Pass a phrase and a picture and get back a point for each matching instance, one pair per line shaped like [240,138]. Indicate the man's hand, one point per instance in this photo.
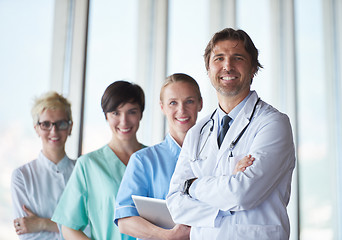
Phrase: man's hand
[243,164]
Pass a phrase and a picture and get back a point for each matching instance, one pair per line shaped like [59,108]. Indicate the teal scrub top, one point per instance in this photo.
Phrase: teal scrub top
[90,195]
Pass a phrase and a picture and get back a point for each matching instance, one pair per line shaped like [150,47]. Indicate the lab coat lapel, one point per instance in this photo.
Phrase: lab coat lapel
[210,151]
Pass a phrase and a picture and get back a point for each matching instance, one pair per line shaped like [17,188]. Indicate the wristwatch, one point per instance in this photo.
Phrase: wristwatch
[187,185]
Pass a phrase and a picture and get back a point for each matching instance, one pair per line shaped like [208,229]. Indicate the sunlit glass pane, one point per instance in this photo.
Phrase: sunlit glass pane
[316,166]
[112,56]
[26,29]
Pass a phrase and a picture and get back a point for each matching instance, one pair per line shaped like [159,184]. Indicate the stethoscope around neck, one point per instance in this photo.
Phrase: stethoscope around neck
[212,121]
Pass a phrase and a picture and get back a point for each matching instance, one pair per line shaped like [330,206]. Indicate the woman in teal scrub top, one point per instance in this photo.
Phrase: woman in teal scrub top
[90,194]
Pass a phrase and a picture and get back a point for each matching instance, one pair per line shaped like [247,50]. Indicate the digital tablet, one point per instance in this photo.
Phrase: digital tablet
[154,210]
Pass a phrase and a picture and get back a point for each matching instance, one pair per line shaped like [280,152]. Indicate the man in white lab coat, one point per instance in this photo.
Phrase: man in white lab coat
[204,193]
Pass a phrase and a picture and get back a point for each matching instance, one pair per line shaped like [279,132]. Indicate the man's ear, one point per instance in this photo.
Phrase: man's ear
[201,106]
[254,71]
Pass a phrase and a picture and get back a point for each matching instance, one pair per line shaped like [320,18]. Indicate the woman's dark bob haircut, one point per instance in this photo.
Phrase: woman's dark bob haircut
[121,92]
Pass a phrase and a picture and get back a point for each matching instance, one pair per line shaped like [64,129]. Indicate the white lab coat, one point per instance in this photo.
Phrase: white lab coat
[250,204]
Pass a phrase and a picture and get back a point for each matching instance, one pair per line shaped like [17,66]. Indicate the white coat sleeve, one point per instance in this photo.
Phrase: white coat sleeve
[272,146]
[19,194]
[19,198]
[184,209]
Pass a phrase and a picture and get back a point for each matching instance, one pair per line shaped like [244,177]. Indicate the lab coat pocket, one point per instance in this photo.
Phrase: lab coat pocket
[260,232]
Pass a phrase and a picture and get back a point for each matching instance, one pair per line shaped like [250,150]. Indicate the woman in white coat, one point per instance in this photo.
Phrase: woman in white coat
[37,186]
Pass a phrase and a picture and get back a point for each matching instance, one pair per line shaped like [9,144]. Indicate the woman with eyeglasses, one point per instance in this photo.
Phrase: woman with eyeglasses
[90,195]
[37,186]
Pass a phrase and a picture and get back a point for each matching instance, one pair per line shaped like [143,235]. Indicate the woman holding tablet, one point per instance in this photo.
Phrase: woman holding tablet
[150,170]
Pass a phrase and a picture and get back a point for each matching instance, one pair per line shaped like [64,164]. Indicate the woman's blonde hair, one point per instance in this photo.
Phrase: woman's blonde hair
[180,77]
[50,100]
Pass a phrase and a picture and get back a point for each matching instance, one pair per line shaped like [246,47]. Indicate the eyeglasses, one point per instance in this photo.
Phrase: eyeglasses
[59,125]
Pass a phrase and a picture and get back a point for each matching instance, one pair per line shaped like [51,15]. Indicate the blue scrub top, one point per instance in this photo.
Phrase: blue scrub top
[148,174]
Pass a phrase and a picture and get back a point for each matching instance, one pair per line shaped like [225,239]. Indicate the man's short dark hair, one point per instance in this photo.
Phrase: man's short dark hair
[232,34]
